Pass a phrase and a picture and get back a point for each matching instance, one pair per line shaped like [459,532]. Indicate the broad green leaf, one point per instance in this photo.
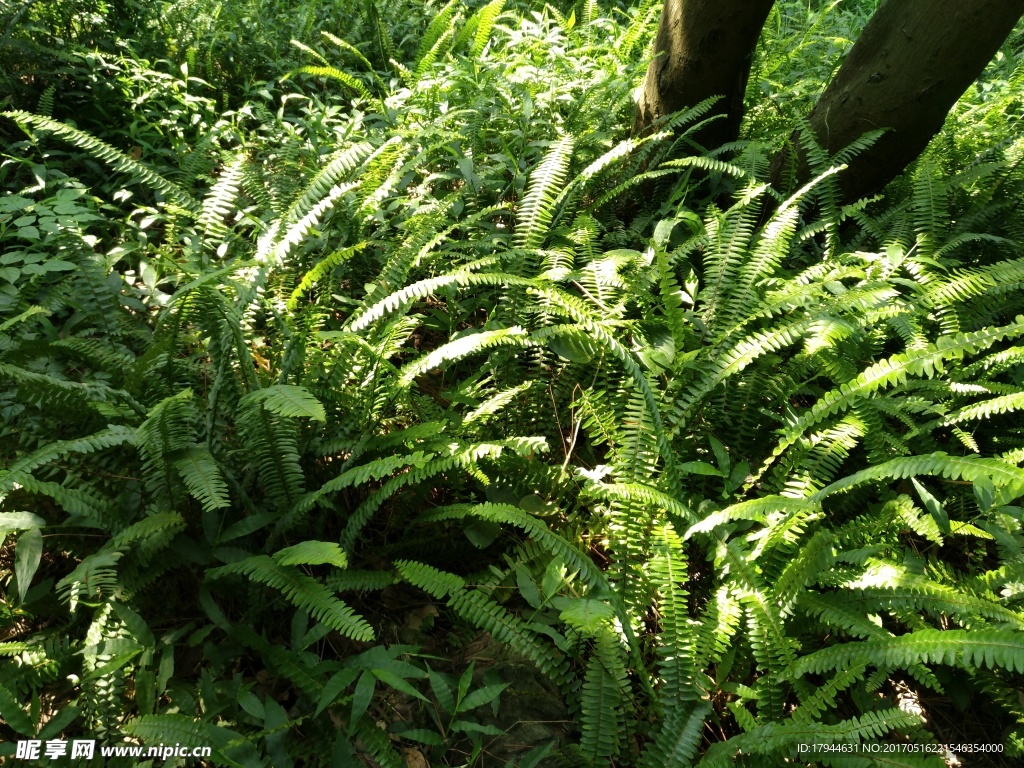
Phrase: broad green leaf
[13,714]
[721,454]
[985,493]
[532,758]
[251,703]
[699,468]
[465,680]
[135,624]
[553,578]
[585,614]
[536,505]
[28,553]
[442,691]
[528,587]
[19,521]
[247,525]
[466,726]
[569,348]
[59,722]
[423,736]
[398,683]
[114,664]
[933,505]
[481,533]
[481,696]
[365,687]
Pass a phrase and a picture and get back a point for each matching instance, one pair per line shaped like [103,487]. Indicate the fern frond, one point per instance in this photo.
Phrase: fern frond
[274,247]
[94,577]
[439,29]
[323,268]
[477,608]
[651,497]
[954,647]
[463,347]
[203,478]
[303,591]
[116,159]
[754,509]
[676,742]
[774,737]
[333,73]
[218,203]
[896,370]
[969,468]
[347,46]
[602,701]
[461,457]
[549,540]
[677,666]
[107,438]
[485,19]
[229,746]
[161,526]
[288,400]
[815,557]
[360,581]
[986,409]
[538,206]
[312,553]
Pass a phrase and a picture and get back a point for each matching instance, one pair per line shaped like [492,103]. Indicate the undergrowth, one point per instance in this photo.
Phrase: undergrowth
[337,394]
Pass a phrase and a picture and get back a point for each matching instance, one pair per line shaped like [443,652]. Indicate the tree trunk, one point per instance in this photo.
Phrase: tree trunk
[909,66]
[703,48]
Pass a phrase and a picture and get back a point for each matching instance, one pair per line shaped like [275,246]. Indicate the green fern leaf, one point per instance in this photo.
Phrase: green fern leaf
[955,647]
[601,700]
[230,746]
[312,553]
[333,73]
[203,478]
[288,400]
[678,737]
[538,206]
[118,160]
[485,19]
[303,591]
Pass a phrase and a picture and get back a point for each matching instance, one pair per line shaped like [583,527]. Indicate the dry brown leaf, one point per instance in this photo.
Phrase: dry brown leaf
[415,759]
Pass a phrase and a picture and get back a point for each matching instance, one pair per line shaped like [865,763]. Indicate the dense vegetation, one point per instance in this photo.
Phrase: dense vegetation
[369,396]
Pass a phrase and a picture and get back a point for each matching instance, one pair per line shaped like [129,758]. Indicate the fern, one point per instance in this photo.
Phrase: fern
[602,700]
[476,608]
[286,400]
[335,74]
[970,468]
[203,478]
[772,737]
[18,471]
[537,209]
[954,647]
[302,591]
[103,151]
[730,468]
[230,746]
[218,203]
[439,29]
[485,19]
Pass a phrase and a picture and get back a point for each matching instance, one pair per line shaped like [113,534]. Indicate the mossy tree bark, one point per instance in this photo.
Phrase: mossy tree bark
[703,48]
[907,69]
